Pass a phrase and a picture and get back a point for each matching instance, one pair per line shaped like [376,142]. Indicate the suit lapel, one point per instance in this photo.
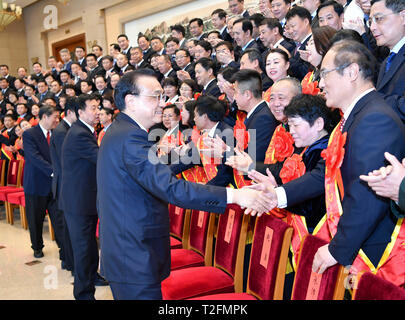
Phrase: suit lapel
[42,143]
[383,76]
[362,103]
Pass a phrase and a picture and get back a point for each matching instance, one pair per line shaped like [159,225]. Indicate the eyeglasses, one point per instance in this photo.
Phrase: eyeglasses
[159,96]
[325,72]
[378,19]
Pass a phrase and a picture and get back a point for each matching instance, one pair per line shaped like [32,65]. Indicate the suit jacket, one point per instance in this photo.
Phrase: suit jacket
[190,70]
[147,54]
[135,245]
[298,67]
[212,89]
[366,222]
[38,165]
[261,124]
[45,95]
[91,74]
[392,83]
[79,158]
[226,36]
[57,138]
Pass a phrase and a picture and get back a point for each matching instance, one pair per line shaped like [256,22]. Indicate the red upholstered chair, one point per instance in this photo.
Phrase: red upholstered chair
[13,202]
[200,242]
[268,262]
[372,287]
[309,285]
[179,227]
[227,273]
[14,184]
[2,172]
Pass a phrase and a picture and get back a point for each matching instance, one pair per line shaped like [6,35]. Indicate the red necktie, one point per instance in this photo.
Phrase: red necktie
[48,137]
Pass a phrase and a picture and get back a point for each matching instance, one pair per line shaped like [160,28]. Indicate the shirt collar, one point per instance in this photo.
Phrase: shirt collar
[253,110]
[278,42]
[211,133]
[350,109]
[67,121]
[44,131]
[223,29]
[87,125]
[167,73]
[244,48]
[206,86]
[168,133]
[399,45]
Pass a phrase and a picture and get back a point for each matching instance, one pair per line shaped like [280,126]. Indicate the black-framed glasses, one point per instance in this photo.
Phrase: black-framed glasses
[324,72]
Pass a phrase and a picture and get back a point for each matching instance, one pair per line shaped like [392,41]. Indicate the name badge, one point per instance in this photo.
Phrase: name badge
[268,238]
[229,226]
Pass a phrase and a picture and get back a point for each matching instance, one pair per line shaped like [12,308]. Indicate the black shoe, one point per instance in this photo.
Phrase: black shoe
[100,281]
[38,253]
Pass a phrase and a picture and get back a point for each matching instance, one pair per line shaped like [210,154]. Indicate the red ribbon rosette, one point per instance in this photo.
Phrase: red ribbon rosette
[283,145]
[197,95]
[195,135]
[241,135]
[293,168]
[310,88]
[334,154]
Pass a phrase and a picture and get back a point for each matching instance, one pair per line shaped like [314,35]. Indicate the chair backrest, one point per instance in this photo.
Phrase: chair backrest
[201,236]
[2,172]
[309,285]
[20,177]
[230,243]
[371,287]
[13,172]
[268,258]
[179,223]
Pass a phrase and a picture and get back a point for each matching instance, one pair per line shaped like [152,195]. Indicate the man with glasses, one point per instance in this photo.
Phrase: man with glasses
[183,60]
[387,25]
[134,190]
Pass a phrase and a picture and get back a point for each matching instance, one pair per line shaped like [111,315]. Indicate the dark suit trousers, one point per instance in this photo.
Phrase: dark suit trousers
[129,291]
[67,251]
[36,207]
[82,231]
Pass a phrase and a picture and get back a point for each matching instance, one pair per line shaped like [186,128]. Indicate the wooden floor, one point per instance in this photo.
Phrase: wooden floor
[40,279]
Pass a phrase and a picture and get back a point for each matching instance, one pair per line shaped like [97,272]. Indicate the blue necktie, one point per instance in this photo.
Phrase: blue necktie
[389,60]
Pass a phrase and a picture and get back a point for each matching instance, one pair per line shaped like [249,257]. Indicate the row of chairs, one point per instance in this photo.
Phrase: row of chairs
[198,273]
[12,192]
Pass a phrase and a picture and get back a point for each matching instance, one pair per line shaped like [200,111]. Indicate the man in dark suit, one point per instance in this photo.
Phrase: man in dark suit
[243,35]
[93,68]
[79,192]
[4,72]
[137,59]
[260,122]
[144,44]
[218,19]
[57,138]
[43,92]
[365,222]
[196,28]
[208,116]
[128,177]
[271,34]
[299,21]
[165,67]
[237,7]
[38,178]
[124,44]
[390,33]
[252,59]
[183,60]
[80,55]
[205,77]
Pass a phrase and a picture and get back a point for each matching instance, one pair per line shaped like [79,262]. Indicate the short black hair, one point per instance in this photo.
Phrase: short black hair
[246,25]
[250,80]
[205,44]
[272,23]
[220,12]
[311,107]
[179,28]
[346,34]
[190,107]
[115,46]
[227,73]
[128,84]
[210,106]
[207,64]
[199,21]
[71,104]
[122,35]
[174,107]
[394,5]
[257,18]
[170,81]
[226,44]
[92,55]
[82,99]
[337,7]
[46,110]
[299,11]
[172,39]
[254,54]
[349,51]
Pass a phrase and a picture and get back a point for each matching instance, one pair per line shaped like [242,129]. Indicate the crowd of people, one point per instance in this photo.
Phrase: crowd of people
[299,107]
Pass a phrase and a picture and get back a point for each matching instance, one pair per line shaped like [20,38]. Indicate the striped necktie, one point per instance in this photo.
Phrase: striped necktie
[389,61]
